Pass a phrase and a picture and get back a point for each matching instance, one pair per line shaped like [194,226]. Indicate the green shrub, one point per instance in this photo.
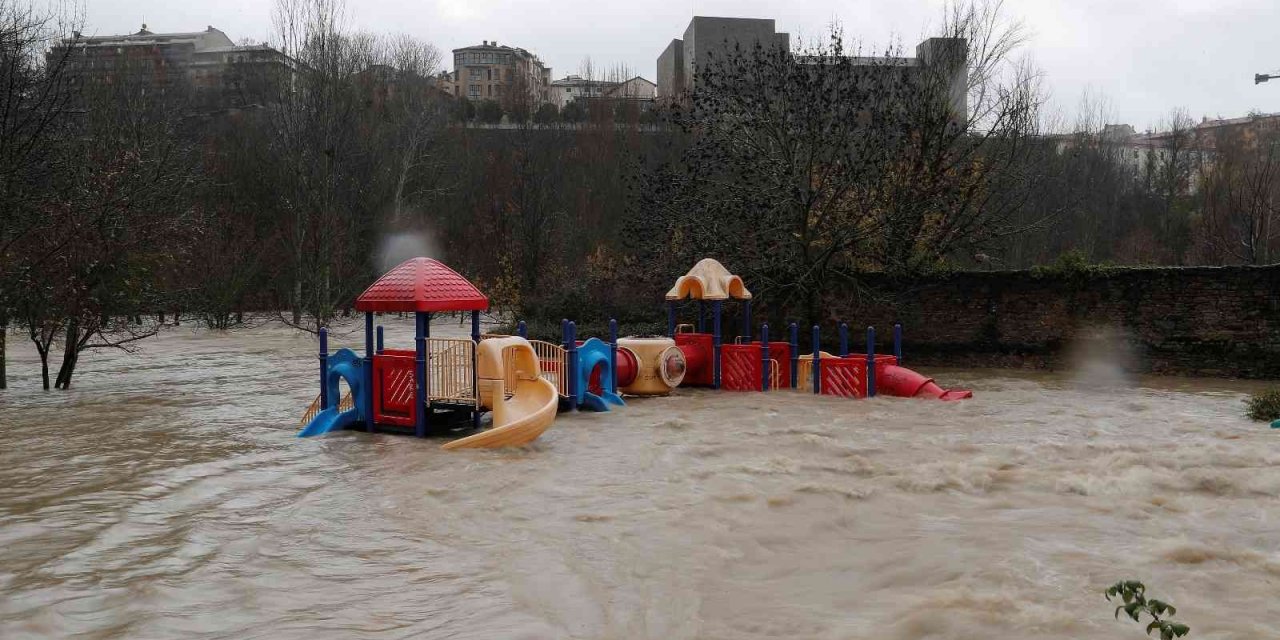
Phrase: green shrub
[1071,263]
[1133,595]
[1265,405]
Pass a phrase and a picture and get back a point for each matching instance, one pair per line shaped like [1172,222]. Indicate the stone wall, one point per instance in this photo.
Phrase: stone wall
[1218,321]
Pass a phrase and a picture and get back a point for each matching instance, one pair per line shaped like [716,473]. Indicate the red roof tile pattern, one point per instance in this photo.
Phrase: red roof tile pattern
[422,284]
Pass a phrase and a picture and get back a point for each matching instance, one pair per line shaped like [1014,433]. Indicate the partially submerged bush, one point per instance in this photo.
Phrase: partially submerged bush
[1133,596]
[1265,405]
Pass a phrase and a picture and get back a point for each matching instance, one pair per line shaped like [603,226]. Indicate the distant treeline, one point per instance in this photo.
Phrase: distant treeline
[127,199]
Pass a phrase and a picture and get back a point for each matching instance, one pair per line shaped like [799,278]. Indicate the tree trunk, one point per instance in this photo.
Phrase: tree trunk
[70,354]
[161,317]
[297,303]
[4,335]
[44,364]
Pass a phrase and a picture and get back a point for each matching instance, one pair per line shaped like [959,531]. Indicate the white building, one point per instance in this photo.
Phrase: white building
[570,88]
[636,88]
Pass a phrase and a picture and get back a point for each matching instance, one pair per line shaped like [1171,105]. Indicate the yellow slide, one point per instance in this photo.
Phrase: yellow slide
[510,363]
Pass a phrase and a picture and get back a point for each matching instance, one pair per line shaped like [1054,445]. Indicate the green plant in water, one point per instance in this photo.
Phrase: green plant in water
[1134,596]
[1265,405]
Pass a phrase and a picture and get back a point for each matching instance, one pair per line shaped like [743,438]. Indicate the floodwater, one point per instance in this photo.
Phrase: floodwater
[166,496]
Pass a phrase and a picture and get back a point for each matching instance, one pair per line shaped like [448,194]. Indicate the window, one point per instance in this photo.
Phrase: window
[475,73]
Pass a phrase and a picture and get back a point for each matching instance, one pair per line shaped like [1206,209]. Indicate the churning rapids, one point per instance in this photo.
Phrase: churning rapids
[166,496]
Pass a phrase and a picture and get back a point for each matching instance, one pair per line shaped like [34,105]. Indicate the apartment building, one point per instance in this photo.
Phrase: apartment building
[221,73]
[489,71]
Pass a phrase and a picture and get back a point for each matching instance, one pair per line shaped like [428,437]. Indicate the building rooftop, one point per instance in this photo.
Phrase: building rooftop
[201,40]
[493,46]
[576,80]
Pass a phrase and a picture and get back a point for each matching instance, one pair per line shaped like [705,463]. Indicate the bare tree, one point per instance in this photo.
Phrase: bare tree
[1240,191]
[831,161]
[314,138]
[32,107]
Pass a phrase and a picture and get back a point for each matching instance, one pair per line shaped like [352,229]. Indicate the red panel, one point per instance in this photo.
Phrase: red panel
[781,353]
[882,361]
[740,367]
[394,392]
[697,348]
[422,284]
[845,377]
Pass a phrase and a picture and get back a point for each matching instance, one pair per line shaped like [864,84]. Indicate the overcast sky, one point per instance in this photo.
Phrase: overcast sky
[1145,57]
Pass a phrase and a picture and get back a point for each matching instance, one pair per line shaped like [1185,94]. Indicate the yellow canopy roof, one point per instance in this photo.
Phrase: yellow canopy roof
[708,280]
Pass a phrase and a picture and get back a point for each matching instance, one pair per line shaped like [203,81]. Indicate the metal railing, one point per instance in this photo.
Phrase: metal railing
[774,373]
[451,376]
[346,404]
[552,359]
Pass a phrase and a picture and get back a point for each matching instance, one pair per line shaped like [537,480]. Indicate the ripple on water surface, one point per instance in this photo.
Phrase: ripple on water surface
[166,496]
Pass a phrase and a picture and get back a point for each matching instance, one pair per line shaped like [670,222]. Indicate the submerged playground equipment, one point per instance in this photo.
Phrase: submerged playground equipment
[445,384]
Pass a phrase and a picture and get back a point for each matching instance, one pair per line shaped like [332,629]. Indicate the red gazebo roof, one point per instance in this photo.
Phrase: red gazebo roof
[422,284]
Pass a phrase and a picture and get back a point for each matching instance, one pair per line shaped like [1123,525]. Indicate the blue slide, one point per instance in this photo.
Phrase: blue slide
[330,420]
[595,353]
[343,365]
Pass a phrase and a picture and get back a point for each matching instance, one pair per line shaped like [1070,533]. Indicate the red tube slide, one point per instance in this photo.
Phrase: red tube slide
[625,372]
[627,367]
[896,381]
[697,363]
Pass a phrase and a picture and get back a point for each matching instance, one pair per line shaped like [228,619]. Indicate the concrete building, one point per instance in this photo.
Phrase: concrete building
[708,38]
[704,38]
[489,71]
[221,73]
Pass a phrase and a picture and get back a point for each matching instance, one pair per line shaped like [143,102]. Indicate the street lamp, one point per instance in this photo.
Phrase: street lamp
[1259,78]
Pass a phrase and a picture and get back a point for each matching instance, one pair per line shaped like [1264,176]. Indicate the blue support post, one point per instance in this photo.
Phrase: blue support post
[702,316]
[366,411]
[475,364]
[378,348]
[421,329]
[817,362]
[716,308]
[746,321]
[671,318]
[844,339]
[871,362]
[613,354]
[897,342]
[324,368]
[571,362]
[764,356]
[795,356]
[522,330]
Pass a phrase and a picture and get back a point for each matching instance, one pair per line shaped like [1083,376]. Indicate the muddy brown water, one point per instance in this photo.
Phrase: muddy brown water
[167,497]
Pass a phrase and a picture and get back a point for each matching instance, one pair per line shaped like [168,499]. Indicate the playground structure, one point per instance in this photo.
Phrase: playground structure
[446,383]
